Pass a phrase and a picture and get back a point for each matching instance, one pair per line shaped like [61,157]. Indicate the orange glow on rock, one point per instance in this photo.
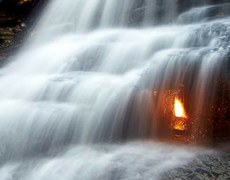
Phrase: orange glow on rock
[180,125]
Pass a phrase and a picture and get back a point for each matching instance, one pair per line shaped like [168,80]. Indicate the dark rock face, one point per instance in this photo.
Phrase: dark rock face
[15,21]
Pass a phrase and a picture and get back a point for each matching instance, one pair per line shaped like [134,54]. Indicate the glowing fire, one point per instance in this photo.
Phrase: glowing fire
[179,110]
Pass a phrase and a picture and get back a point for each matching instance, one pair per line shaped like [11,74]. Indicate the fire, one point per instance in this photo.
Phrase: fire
[179,110]
[180,123]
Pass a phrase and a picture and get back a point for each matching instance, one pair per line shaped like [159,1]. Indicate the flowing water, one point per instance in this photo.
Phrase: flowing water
[78,103]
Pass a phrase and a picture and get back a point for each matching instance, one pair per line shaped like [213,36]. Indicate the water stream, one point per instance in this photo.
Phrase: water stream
[77,102]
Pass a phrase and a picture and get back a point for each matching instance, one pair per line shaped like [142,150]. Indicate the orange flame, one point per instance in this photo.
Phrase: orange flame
[179,110]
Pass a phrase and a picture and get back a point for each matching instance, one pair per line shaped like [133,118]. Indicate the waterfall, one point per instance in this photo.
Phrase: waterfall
[78,102]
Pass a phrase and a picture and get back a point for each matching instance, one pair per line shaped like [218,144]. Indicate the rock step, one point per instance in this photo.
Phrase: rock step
[7,37]
[6,33]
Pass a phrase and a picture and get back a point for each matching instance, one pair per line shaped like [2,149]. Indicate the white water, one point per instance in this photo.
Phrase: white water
[78,89]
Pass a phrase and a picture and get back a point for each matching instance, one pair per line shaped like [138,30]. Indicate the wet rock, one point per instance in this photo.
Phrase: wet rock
[215,166]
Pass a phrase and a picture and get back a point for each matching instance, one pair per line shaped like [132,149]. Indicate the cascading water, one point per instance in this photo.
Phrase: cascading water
[84,84]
